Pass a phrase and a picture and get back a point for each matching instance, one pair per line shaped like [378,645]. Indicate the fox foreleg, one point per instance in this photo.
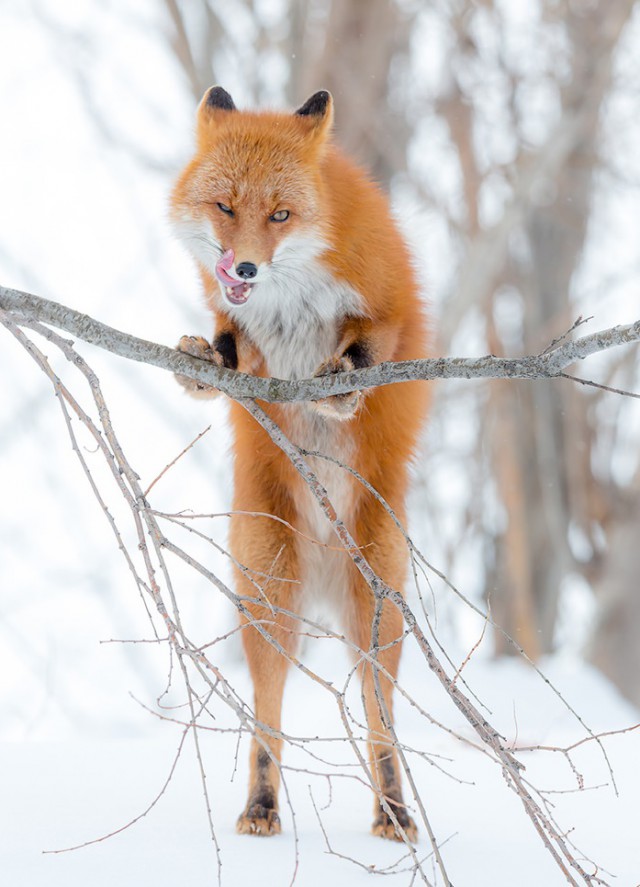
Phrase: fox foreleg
[223,352]
[362,344]
[338,406]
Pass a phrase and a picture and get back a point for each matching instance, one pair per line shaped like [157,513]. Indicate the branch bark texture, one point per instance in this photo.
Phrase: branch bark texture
[25,307]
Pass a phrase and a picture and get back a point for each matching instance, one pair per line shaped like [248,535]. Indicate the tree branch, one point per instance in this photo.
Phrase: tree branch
[153,545]
[25,307]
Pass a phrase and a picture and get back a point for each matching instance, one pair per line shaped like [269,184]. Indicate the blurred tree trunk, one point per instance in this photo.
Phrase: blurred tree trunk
[353,57]
[552,443]
[540,436]
[350,47]
[195,47]
[614,647]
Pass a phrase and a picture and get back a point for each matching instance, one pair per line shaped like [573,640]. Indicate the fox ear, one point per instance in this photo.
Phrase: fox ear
[215,99]
[318,109]
[216,103]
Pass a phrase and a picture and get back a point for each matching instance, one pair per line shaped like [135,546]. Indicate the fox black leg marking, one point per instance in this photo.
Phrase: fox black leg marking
[359,355]
[225,344]
[261,815]
[390,786]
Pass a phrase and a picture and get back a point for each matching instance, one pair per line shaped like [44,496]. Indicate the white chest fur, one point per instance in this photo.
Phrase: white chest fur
[324,568]
[294,320]
[294,317]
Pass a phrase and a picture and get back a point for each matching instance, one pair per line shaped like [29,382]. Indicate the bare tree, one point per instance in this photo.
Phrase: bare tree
[527,208]
[152,574]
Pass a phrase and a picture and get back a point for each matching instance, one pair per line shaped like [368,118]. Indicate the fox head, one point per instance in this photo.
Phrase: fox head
[250,204]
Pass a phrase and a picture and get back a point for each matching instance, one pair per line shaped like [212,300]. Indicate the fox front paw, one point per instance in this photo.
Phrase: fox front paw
[196,346]
[383,826]
[338,406]
[259,820]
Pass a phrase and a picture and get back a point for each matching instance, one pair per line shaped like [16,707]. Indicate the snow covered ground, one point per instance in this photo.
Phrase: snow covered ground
[61,794]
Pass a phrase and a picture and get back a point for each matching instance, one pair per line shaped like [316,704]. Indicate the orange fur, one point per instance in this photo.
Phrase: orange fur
[334,285]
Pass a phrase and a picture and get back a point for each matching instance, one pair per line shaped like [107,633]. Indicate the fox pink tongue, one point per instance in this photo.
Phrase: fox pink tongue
[223,266]
[236,291]
[226,261]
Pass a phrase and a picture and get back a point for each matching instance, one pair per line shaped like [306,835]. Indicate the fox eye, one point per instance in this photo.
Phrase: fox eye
[281,216]
[224,208]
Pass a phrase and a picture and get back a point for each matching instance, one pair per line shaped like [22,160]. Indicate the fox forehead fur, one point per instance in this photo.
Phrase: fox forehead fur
[255,164]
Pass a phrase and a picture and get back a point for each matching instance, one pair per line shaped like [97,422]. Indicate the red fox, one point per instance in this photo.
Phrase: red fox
[306,274]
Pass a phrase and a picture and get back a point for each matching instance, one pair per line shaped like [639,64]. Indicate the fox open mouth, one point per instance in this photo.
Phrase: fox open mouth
[236,291]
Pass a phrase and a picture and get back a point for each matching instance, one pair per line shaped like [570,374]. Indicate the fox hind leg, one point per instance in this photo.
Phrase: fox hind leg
[378,701]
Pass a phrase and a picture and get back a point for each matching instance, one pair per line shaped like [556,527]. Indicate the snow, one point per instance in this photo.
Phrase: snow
[65,793]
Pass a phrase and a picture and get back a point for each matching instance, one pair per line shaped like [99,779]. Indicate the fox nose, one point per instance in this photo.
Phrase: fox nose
[246,270]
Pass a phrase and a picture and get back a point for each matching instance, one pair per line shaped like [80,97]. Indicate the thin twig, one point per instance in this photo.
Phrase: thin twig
[173,461]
